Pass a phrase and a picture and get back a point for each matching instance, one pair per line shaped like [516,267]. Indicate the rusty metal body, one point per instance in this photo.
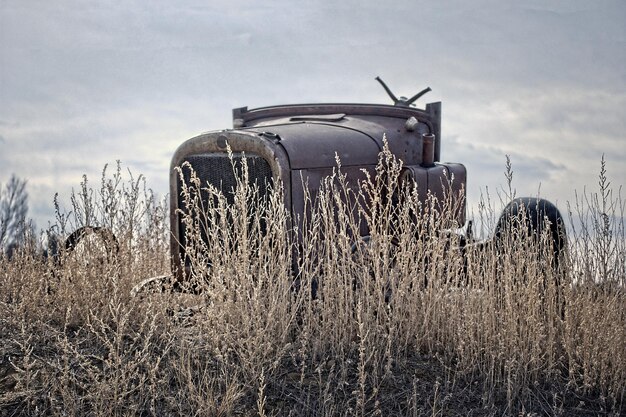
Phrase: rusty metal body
[298,144]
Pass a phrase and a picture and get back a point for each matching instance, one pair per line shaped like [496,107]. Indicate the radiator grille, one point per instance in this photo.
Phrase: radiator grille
[220,171]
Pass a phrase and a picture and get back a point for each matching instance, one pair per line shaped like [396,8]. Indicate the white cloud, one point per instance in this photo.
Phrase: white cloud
[84,84]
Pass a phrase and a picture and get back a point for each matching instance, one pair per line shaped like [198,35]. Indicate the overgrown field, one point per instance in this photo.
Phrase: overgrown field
[400,325]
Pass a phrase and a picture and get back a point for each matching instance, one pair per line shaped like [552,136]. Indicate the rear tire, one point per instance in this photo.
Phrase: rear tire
[534,217]
[540,221]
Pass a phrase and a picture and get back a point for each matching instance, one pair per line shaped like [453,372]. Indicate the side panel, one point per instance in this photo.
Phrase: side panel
[311,180]
[446,182]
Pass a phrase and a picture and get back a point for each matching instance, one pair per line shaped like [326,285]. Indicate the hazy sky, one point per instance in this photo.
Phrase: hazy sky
[84,83]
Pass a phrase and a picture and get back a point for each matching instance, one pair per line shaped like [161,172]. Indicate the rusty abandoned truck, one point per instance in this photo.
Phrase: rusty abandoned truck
[298,146]
[290,143]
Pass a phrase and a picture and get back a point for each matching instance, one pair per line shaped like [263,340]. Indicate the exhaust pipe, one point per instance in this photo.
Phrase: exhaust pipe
[428,150]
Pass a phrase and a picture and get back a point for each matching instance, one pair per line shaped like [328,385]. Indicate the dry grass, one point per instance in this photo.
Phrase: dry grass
[401,326]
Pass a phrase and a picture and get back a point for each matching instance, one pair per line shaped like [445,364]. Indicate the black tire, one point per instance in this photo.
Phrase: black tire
[530,218]
[533,216]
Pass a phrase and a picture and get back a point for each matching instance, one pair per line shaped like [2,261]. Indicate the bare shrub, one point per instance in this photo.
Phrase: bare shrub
[13,210]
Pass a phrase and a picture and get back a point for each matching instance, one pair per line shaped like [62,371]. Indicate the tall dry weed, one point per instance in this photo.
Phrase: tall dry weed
[303,317]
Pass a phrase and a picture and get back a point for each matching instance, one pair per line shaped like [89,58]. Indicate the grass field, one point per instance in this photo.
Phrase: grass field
[404,325]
